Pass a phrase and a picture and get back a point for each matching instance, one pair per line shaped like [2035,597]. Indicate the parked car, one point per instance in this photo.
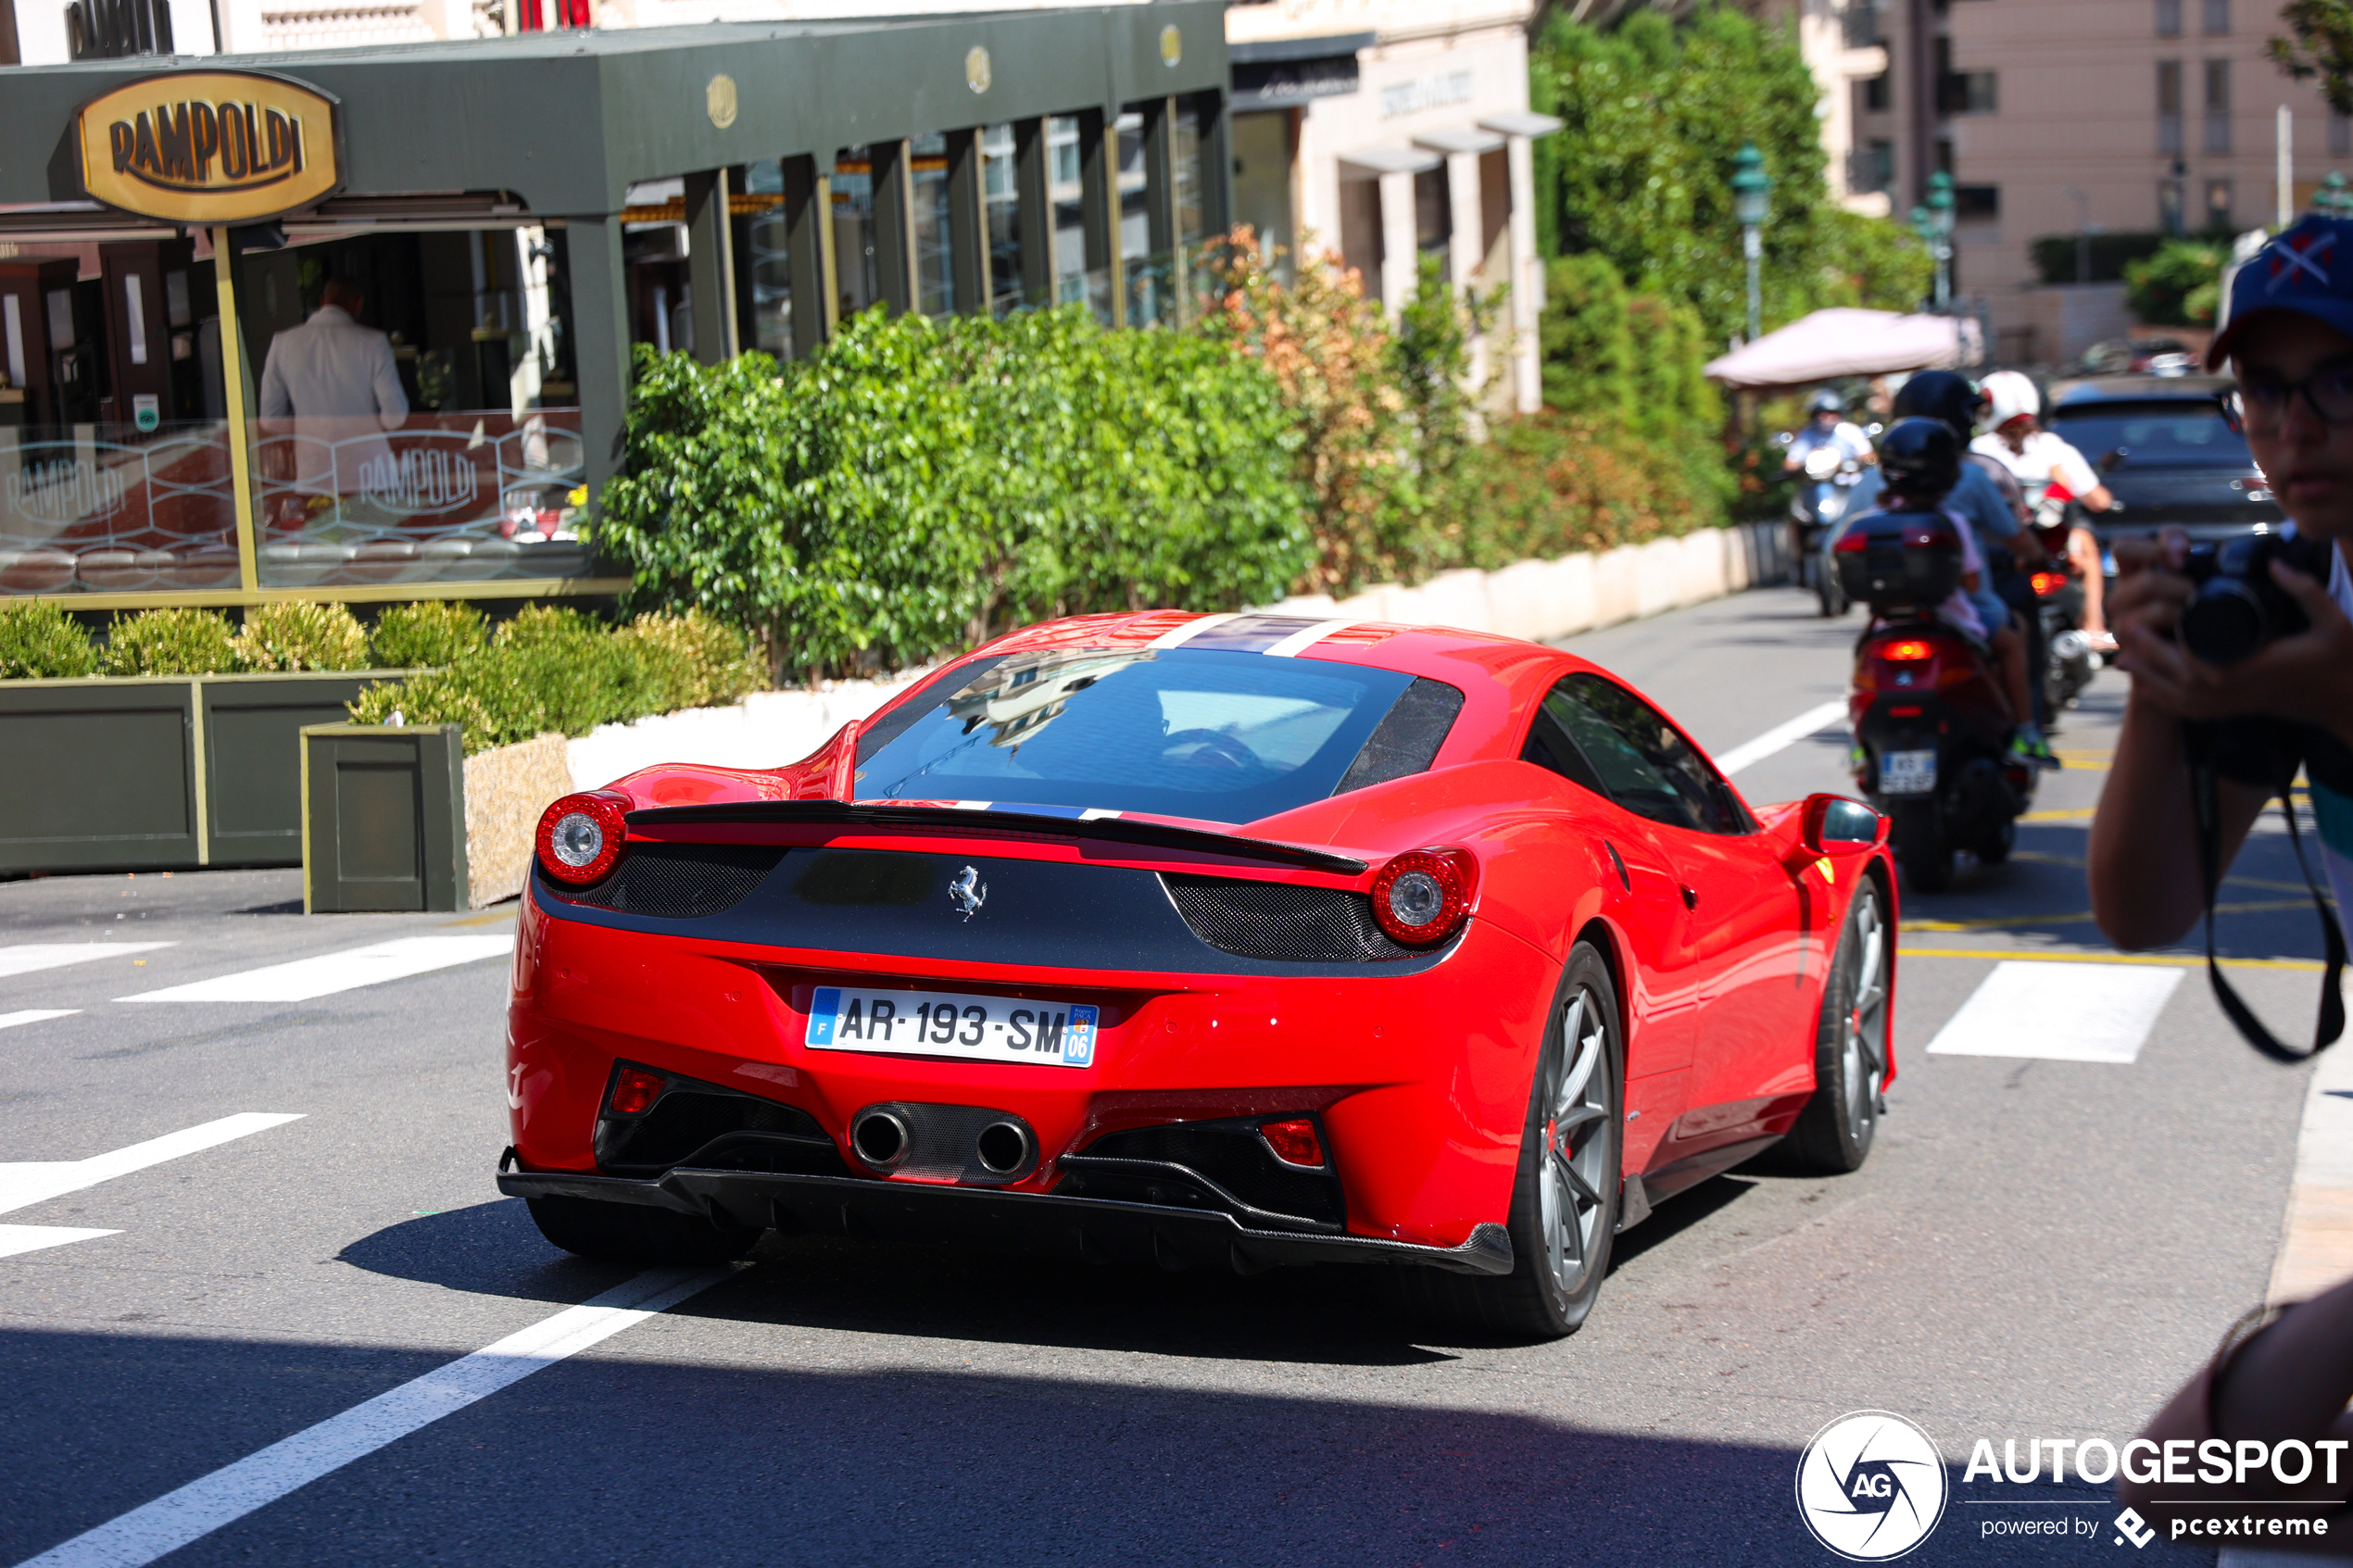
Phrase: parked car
[2146,355]
[2166,456]
[1224,941]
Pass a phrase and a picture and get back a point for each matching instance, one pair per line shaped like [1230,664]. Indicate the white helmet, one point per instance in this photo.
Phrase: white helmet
[2009,395]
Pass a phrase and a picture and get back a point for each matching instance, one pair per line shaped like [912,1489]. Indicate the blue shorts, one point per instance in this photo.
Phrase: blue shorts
[1990,609]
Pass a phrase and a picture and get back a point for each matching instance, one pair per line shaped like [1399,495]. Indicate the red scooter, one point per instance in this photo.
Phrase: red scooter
[1932,725]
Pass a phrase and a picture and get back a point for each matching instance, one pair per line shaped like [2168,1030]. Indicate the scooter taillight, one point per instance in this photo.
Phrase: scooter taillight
[2048,583]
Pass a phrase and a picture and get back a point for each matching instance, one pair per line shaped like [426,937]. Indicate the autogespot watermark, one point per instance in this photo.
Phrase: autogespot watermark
[1872,1485]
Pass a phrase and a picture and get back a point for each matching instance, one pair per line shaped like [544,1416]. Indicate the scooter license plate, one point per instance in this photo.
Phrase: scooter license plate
[1907,772]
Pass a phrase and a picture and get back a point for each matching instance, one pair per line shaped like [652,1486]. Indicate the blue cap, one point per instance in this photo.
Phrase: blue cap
[2307,267]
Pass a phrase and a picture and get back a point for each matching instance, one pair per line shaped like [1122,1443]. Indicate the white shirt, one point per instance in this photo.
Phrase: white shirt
[1845,435]
[2046,458]
[337,381]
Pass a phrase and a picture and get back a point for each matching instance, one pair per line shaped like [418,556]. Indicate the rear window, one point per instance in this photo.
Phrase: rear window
[2176,434]
[1227,737]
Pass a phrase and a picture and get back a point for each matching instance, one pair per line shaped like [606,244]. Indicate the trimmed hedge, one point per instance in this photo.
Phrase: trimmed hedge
[39,641]
[918,485]
[554,669]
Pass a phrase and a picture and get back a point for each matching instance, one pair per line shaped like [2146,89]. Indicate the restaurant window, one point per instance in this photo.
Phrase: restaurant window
[1148,273]
[414,406]
[1072,281]
[1000,198]
[653,253]
[115,460]
[934,223]
[768,265]
[857,273]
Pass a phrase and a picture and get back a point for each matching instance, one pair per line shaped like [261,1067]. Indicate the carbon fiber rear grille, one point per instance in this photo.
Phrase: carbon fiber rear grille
[1279,921]
[1156,1164]
[678,881]
[709,1126]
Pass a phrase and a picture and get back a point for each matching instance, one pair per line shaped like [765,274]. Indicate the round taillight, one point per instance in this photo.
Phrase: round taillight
[580,836]
[1424,894]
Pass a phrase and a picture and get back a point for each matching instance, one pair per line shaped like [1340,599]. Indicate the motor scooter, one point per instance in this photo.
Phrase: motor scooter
[1831,487]
[1932,725]
[2069,666]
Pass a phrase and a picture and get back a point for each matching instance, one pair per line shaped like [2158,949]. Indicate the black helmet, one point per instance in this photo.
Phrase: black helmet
[1824,402]
[1921,458]
[1942,394]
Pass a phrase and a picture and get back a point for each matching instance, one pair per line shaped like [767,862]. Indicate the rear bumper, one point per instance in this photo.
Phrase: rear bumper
[1095,1229]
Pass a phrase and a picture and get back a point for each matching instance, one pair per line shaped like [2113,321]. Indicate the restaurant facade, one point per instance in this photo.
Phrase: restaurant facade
[356,324]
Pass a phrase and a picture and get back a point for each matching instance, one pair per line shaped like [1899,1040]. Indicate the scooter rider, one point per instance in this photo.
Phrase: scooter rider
[1922,460]
[2041,460]
[1827,425]
[2003,596]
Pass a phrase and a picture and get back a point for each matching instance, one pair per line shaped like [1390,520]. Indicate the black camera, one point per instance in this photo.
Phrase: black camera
[2237,608]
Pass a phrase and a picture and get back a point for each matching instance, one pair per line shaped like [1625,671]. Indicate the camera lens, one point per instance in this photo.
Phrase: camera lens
[2225,623]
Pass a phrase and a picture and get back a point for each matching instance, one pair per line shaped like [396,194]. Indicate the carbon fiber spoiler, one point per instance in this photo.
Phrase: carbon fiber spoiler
[1114,830]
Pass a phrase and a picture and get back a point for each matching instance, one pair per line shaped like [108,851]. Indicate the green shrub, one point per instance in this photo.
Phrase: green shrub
[40,641]
[429,634]
[2180,286]
[702,661]
[1555,481]
[917,486]
[300,636]
[169,641]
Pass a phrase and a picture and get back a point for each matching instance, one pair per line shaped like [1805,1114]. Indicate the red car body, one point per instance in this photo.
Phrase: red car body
[1413,1074]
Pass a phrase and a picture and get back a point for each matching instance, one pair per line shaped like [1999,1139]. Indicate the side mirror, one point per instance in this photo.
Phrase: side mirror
[1783,439]
[2113,459]
[1835,825]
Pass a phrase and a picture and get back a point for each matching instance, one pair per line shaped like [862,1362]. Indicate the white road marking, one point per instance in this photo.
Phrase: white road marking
[230,1493]
[29,1182]
[26,956]
[33,1238]
[1781,738]
[2059,1011]
[34,1015]
[330,973]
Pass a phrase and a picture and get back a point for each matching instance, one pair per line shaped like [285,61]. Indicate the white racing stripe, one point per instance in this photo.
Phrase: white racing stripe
[27,1183]
[26,957]
[1299,641]
[330,973]
[34,1015]
[33,1238]
[228,1494]
[1781,738]
[1177,636]
[2059,1011]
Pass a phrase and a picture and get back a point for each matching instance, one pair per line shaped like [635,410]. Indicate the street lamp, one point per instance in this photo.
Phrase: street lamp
[2333,199]
[1751,197]
[1940,217]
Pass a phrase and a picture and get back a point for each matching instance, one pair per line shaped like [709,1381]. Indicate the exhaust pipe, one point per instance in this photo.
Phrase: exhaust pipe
[881,1140]
[1003,1148]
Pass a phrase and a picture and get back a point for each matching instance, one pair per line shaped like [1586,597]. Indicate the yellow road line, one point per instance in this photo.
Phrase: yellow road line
[2304,965]
[1996,922]
[2066,814]
[492,918]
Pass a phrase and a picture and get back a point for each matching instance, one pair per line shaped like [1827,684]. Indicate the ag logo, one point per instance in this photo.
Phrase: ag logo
[1871,1485]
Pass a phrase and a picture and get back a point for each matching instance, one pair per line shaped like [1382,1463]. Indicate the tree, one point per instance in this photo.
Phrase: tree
[1654,114]
[2320,43]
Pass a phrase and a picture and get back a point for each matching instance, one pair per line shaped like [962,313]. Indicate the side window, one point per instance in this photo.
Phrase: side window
[1632,754]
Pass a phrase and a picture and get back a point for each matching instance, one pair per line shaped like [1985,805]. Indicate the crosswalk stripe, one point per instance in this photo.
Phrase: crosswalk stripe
[25,1182]
[26,956]
[330,973]
[34,1015]
[230,1493]
[18,1240]
[2058,1013]
[1781,738]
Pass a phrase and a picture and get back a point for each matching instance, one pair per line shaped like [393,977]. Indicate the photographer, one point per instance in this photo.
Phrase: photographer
[2288,336]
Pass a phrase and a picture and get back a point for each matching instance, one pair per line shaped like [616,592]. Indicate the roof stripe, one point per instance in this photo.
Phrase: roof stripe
[1177,636]
[1299,642]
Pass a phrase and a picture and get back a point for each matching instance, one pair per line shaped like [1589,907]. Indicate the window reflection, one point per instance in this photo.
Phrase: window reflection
[935,243]
[857,273]
[769,286]
[1000,195]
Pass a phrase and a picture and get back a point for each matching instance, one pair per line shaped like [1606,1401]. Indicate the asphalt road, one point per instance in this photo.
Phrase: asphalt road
[2037,1248]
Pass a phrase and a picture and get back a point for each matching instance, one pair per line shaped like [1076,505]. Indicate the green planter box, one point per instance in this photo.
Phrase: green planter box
[132,773]
[383,824]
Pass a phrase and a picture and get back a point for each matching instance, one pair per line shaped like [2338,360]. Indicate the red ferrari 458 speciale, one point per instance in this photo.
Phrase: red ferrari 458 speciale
[1226,940]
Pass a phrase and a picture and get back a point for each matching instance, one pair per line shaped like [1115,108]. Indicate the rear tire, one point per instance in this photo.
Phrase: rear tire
[635,1232]
[1922,852]
[1566,1197]
[1995,847]
[1833,1133]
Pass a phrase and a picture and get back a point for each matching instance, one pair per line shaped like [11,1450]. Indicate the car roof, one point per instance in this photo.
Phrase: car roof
[2138,389]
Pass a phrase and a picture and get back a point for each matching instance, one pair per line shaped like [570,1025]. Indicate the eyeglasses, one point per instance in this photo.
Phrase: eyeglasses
[2264,399]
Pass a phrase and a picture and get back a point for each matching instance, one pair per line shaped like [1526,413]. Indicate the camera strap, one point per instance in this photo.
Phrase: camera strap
[2204,797]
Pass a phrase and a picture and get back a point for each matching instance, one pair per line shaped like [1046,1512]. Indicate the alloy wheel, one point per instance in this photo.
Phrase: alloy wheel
[1862,1065]
[1574,1176]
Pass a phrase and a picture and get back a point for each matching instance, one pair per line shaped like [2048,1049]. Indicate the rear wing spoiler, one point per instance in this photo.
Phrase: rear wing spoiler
[1114,830]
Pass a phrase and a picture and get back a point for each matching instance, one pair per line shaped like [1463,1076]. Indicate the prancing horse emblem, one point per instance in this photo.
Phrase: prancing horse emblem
[968,891]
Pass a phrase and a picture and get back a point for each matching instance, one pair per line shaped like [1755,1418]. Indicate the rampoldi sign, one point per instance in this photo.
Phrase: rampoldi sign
[210,146]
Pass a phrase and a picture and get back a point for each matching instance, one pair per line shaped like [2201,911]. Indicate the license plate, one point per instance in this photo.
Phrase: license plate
[949,1023]
[1907,772]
